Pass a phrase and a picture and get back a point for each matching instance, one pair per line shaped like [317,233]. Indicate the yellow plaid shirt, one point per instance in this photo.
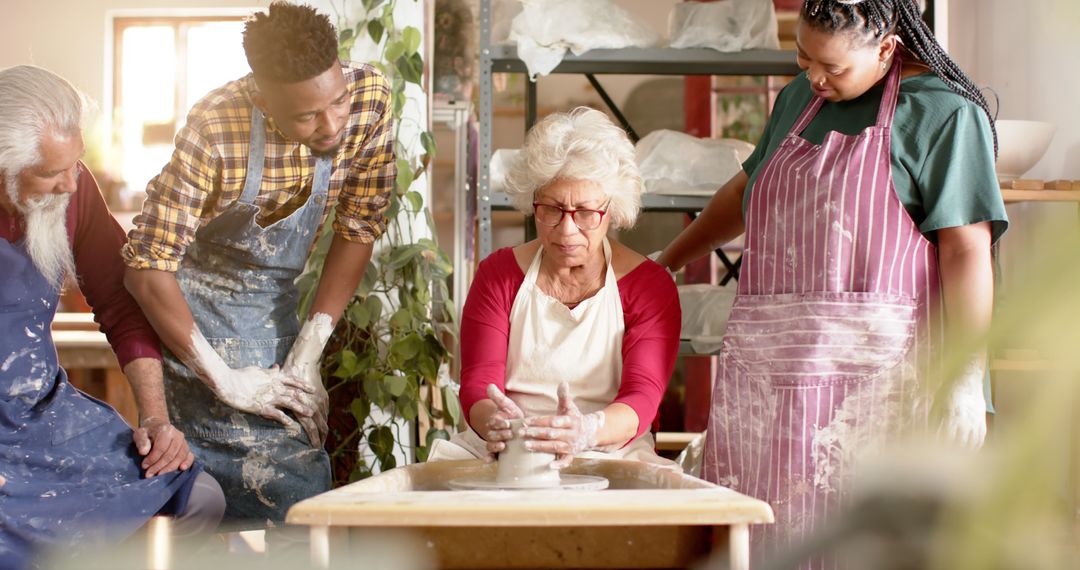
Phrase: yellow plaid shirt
[206,173]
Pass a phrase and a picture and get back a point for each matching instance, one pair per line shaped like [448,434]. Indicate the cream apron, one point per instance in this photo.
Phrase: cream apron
[550,342]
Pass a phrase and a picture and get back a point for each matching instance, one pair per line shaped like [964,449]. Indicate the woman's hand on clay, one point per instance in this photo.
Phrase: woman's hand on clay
[963,421]
[566,434]
[496,432]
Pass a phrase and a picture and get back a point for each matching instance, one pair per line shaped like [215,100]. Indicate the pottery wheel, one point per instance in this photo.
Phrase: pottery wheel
[567,482]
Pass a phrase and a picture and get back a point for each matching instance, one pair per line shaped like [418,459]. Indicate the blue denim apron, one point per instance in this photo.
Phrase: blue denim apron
[238,278]
[72,471]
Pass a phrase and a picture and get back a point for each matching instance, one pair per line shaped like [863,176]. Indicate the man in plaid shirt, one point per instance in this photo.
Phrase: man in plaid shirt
[225,230]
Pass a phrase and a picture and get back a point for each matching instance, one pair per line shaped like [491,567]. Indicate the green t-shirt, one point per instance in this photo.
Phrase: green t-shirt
[942,149]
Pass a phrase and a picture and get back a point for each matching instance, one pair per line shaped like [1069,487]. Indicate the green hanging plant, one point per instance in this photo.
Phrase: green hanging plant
[390,344]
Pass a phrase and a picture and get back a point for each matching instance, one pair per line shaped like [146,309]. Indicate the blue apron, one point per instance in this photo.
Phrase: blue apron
[73,473]
[238,278]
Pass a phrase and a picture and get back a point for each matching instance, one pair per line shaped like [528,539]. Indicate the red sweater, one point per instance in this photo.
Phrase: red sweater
[96,239]
[652,321]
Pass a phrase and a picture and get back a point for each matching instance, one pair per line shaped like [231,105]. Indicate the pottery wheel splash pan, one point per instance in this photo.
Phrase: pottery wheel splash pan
[567,482]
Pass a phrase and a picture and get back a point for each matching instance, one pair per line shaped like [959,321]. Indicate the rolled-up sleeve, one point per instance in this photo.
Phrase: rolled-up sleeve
[174,204]
[365,197]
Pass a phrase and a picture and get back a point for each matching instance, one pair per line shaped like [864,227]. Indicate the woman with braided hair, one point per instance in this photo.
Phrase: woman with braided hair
[870,206]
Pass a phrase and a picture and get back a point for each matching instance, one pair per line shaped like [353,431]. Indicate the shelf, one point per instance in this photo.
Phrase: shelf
[673,203]
[1013,196]
[659,61]
[649,202]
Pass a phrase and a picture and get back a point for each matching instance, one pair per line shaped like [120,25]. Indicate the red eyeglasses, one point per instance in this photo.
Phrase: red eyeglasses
[584,219]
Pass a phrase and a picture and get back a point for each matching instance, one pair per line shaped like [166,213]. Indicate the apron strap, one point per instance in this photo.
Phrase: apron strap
[887,107]
[324,165]
[256,154]
[807,115]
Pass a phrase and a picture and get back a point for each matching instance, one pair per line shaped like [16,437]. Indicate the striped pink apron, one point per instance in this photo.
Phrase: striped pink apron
[826,353]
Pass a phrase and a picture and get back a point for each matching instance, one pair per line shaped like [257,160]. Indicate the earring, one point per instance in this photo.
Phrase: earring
[883,65]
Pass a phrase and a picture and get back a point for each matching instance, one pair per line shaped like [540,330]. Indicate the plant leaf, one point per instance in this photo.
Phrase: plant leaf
[375,30]
[401,319]
[358,315]
[453,405]
[395,49]
[360,409]
[381,441]
[395,384]
[404,176]
[411,38]
[347,368]
[416,201]
[428,140]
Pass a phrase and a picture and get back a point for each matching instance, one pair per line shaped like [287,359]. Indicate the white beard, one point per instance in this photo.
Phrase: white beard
[46,233]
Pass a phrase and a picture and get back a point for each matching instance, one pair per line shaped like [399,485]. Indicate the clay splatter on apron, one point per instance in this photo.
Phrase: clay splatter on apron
[237,277]
[71,471]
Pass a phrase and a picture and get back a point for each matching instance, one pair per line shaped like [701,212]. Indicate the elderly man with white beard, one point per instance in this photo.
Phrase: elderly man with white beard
[71,469]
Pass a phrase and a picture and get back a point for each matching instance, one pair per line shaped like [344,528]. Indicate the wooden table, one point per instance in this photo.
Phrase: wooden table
[649,518]
[86,355]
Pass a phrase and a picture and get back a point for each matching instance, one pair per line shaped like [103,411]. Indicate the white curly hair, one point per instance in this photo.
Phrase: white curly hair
[580,145]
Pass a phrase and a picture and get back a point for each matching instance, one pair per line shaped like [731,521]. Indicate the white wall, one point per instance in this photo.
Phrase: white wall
[1029,52]
[69,36]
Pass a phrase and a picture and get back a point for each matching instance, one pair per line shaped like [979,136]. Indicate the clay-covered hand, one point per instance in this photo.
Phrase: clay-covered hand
[309,391]
[963,420]
[302,371]
[162,446]
[264,392]
[259,391]
[566,434]
[496,432]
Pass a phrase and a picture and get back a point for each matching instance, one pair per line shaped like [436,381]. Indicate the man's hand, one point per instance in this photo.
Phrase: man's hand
[261,391]
[162,446]
[312,396]
[302,367]
[963,421]
[566,434]
[496,432]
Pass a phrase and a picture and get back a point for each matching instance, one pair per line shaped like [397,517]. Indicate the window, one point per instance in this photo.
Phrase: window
[162,66]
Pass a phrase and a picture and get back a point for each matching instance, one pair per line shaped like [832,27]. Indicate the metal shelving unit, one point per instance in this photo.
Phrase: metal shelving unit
[628,61]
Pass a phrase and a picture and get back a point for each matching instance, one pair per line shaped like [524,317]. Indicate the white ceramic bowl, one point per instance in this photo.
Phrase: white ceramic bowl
[1020,145]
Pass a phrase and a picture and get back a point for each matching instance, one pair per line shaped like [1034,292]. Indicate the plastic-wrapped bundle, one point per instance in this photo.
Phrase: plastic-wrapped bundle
[545,29]
[677,163]
[726,25]
[501,161]
[705,312]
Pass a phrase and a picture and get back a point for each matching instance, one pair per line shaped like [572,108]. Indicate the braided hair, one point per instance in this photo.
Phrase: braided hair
[875,19]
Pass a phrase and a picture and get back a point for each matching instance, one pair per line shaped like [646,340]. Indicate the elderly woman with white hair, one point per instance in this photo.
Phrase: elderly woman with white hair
[572,331]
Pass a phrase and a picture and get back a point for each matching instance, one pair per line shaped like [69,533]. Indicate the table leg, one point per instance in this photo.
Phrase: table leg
[327,543]
[739,547]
